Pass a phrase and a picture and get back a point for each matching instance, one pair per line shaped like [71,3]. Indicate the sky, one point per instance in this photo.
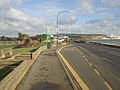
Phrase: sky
[84,17]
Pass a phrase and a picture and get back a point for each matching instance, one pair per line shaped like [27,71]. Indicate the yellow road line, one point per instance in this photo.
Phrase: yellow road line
[76,76]
[109,87]
[97,72]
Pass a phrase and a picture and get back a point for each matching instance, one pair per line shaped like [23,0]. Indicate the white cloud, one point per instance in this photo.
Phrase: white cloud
[101,9]
[15,14]
[105,25]
[15,21]
[68,20]
[114,3]
[87,6]
[99,26]
[4,4]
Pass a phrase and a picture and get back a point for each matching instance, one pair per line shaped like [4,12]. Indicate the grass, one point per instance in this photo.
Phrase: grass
[6,70]
[6,46]
[17,50]
[28,49]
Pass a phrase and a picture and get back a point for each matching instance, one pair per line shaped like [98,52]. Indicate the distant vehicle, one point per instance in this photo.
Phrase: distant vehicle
[59,40]
[81,41]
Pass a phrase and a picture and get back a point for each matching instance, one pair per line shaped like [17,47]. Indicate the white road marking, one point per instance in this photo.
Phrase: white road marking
[108,86]
[90,64]
[86,59]
[83,56]
[97,72]
[68,49]
[100,50]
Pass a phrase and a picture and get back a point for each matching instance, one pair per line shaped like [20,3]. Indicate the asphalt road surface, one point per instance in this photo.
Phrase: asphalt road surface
[98,66]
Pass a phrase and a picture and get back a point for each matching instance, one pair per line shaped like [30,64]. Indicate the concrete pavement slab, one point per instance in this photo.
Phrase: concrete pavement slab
[46,73]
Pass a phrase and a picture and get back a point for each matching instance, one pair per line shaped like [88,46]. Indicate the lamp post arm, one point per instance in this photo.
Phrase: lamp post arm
[57,23]
[59,14]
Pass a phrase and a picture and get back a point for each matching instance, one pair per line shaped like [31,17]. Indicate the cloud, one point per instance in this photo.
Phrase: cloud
[114,3]
[105,25]
[5,4]
[15,14]
[67,20]
[47,9]
[101,9]
[110,25]
[15,21]
[87,6]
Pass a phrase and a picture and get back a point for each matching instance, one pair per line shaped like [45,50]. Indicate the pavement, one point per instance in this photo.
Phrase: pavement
[46,73]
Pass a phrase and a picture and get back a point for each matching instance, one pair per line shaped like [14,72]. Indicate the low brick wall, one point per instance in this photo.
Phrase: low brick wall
[11,81]
[105,44]
[111,45]
[35,54]
[23,56]
[9,42]
[5,53]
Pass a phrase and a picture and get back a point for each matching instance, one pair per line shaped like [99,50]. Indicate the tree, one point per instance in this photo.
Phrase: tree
[27,42]
[22,37]
[39,37]
[3,38]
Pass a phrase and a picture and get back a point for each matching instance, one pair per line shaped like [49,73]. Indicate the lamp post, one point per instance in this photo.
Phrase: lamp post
[57,23]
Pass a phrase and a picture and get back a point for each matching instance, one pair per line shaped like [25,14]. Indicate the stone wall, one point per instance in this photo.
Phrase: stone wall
[11,81]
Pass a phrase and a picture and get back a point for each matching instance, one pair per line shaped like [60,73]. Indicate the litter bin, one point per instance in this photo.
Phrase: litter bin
[49,45]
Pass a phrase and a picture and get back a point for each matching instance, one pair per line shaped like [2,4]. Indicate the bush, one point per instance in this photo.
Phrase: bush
[28,43]
[35,43]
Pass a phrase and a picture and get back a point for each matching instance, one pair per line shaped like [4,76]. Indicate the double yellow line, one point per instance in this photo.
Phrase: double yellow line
[76,76]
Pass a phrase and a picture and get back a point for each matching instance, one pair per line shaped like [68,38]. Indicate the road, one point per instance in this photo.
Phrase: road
[98,66]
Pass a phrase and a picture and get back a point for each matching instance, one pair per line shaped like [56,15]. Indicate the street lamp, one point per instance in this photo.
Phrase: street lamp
[57,23]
